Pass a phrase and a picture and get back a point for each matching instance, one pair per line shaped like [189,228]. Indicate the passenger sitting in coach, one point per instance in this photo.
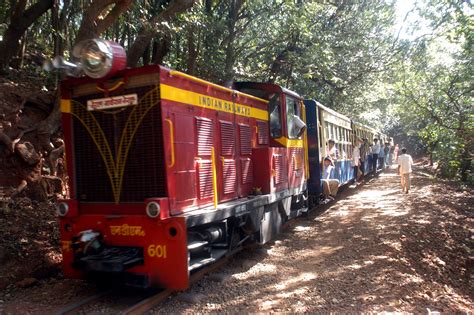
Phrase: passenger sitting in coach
[332,151]
[330,185]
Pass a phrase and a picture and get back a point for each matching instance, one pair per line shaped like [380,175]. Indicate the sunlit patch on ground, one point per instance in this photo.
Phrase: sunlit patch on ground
[300,228]
[374,250]
[299,279]
[393,211]
[388,175]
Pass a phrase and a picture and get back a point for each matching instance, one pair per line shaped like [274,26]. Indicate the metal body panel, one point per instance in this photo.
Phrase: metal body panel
[314,156]
[213,147]
[207,118]
[163,241]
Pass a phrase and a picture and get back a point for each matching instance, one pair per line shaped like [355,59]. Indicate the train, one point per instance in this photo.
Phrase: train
[168,173]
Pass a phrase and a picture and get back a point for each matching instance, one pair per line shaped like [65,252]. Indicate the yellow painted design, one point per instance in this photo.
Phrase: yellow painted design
[126,230]
[170,123]
[113,88]
[214,176]
[290,143]
[115,165]
[205,101]
[219,87]
[65,106]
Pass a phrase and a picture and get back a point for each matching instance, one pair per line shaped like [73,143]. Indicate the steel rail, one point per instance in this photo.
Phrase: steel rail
[77,305]
[148,303]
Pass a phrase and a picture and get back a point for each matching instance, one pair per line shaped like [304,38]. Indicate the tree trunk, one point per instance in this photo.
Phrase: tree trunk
[146,34]
[20,21]
[230,55]
[466,157]
[92,26]
[160,49]
[146,55]
[58,22]
[282,59]
[192,51]
[22,51]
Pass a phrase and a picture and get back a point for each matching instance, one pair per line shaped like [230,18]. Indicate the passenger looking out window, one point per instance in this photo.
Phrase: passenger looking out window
[332,151]
[295,124]
[275,116]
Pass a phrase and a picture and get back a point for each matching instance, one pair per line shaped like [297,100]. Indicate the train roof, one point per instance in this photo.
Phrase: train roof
[267,86]
[329,110]
[358,124]
[333,112]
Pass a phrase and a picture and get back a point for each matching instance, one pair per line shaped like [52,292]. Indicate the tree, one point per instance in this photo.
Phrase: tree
[20,20]
[152,28]
[95,23]
[438,87]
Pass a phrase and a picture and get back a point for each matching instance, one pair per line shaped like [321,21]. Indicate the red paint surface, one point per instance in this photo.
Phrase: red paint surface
[169,272]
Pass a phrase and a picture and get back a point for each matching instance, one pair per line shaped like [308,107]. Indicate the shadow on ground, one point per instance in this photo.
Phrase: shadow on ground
[375,249]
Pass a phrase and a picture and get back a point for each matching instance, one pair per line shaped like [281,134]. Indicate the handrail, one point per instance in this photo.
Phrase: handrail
[171,141]
[214,176]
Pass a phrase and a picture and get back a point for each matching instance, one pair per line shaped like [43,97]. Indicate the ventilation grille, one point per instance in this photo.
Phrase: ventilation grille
[118,153]
[296,159]
[205,136]
[247,171]
[229,176]
[245,140]
[280,174]
[227,138]
[205,180]
[262,128]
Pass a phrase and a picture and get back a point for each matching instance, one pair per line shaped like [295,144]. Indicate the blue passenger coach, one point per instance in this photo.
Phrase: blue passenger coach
[324,124]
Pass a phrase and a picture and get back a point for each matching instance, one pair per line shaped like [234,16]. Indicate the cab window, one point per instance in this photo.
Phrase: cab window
[274,106]
[293,118]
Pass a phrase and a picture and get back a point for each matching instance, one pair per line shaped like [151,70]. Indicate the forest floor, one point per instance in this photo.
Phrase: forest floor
[375,249]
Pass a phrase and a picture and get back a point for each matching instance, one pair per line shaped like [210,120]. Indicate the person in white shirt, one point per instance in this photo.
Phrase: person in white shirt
[332,151]
[382,156]
[356,159]
[375,155]
[330,185]
[405,162]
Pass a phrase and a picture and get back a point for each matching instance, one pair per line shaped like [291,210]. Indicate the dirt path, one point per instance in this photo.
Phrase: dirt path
[375,249]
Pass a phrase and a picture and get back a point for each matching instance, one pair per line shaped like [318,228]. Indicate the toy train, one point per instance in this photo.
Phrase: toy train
[168,172]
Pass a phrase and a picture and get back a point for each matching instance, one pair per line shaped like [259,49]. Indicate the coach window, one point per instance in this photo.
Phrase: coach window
[274,106]
[295,124]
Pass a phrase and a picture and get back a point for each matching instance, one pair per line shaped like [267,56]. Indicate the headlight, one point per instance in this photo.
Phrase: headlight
[100,58]
[153,209]
[62,209]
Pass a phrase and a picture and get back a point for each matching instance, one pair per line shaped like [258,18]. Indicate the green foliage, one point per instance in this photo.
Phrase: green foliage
[345,54]
[436,85]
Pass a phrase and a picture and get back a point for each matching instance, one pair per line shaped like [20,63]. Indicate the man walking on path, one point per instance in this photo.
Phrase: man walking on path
[356,160]
[375,155]
[405,162]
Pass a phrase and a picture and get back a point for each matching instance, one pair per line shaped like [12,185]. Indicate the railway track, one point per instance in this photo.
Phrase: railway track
[139,302]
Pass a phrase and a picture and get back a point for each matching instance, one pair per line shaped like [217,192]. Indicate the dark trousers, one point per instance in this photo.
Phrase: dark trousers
[356,169]
[375,157]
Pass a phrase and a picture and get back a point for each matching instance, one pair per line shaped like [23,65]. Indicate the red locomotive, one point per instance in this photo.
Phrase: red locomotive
[169,172]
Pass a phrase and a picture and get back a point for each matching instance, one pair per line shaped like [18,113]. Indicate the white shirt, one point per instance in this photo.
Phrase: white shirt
[327,171]
[376,148]
[356,156]
[405,162]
